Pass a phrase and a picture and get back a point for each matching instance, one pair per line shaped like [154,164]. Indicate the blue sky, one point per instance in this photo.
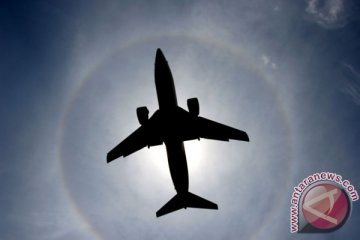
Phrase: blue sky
[73,74]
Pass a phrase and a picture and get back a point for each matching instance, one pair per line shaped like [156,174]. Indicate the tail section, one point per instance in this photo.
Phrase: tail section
[184,200]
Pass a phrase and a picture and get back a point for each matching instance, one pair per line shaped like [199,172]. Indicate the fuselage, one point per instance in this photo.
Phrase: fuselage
[164,83]
[166,94]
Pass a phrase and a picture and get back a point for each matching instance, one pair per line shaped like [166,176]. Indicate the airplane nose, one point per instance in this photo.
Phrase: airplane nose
[159,55]
[158,51]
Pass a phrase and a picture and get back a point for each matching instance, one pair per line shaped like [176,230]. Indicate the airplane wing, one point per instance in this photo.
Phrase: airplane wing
[187,127]
[217,131]
[131,144]
[141,137]
[192,127]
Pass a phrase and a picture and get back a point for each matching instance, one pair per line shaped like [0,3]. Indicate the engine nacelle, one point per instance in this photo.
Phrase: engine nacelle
[193,106]
[142,114]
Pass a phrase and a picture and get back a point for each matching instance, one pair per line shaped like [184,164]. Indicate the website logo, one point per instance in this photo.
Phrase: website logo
[321,203]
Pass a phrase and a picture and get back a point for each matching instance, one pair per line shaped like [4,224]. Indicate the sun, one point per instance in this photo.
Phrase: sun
[194,150]
[195,153]
[158,157]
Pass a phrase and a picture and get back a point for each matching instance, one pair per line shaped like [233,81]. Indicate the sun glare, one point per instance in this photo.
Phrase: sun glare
[158,157]
[194,150]
[195,153]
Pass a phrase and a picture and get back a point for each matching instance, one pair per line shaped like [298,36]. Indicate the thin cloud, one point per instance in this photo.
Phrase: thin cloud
[329,14]
[353,86]
[268,62]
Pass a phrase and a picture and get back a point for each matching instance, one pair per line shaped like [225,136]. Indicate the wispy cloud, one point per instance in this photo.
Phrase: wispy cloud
[329,13]
[353,86]
[268,62]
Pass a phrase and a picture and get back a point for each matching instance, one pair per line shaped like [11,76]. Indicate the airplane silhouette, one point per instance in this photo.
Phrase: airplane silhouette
[173,125]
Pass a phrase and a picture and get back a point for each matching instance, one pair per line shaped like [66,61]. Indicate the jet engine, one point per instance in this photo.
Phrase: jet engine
[193,106]
[142,114]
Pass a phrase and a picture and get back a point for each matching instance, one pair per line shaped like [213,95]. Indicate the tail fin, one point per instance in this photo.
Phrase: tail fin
[184,200]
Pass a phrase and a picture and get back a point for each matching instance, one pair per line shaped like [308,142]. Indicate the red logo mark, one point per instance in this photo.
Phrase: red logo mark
[325,206]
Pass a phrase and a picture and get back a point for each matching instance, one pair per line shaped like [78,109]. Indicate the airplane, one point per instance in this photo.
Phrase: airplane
[173,125]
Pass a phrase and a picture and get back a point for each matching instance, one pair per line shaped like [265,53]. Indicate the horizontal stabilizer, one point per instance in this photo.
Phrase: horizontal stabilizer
[184,200]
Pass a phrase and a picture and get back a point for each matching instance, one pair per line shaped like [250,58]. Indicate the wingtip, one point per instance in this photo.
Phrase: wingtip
[109,158]
[245,137]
